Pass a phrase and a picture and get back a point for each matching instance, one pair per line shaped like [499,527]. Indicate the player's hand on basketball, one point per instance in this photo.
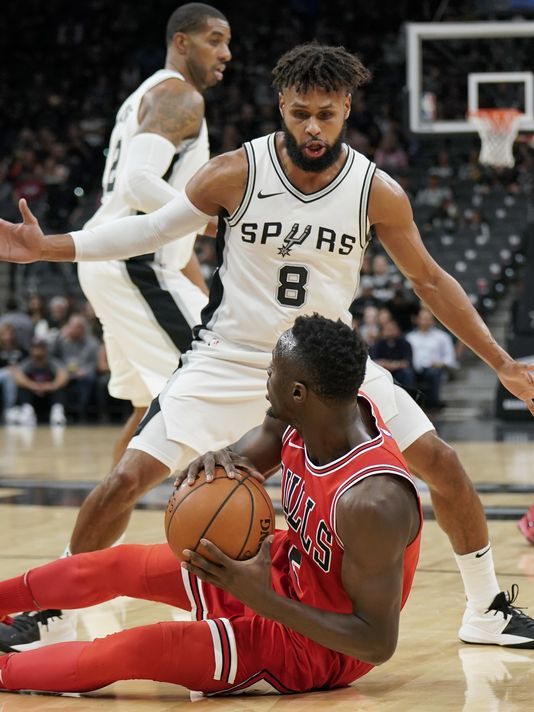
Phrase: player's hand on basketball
[21,242]
[234,464]
[249,581]
[518,378]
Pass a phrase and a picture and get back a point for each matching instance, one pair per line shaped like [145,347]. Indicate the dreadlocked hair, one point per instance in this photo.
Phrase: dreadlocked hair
[332,355]
[314,65]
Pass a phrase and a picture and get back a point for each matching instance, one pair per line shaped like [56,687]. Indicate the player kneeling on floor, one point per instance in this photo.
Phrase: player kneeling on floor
[316,608]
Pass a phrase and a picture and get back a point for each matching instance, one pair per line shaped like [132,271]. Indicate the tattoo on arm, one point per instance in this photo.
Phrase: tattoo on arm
[173,112]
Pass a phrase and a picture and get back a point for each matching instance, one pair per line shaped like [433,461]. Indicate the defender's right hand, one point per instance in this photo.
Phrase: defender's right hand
[235,465]
[21,242]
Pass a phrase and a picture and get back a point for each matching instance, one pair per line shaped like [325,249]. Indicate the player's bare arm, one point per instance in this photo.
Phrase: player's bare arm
[216,187]
[172,109]
[256,453]
[376,520]
[391,215]
[220,184]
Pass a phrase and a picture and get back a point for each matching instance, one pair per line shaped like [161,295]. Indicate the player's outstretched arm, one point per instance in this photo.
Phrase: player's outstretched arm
[391,215]
[256,453]
[376,520]
[24,242]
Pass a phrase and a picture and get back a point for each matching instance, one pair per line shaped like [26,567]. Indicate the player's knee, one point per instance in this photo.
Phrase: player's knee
[126,483]
[447,461]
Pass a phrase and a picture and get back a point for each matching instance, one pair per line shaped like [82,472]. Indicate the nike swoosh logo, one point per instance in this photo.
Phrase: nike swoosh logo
[267,195]
[479,554]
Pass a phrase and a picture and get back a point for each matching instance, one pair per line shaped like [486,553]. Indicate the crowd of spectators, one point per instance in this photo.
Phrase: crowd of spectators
[401,333]
[53,364]
[55,125]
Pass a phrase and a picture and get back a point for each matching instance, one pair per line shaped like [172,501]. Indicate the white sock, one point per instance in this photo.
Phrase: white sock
[478,574]
[68,552]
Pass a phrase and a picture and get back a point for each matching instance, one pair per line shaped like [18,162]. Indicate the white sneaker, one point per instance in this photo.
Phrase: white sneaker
[29,631]
[502,624]
[57,415]
[27,415]
[12,415]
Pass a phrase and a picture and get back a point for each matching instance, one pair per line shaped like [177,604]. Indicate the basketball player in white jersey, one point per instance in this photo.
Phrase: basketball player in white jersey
[149,304]
[294,213]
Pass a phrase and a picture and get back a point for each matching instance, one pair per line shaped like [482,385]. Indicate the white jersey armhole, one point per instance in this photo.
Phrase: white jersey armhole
[239,212]
[364,204]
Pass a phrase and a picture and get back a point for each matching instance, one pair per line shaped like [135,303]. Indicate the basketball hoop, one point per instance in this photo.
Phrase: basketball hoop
[497,129]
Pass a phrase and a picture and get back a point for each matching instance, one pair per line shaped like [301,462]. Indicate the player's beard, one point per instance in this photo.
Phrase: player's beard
[313,165]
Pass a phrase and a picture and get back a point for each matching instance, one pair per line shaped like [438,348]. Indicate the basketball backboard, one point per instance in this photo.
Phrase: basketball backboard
[457,67]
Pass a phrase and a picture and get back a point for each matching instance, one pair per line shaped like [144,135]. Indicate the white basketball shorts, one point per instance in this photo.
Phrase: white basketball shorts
[219,394]
[147,313]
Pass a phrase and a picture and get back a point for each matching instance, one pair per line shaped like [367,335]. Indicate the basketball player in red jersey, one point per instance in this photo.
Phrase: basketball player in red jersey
[294,211]
[321,614]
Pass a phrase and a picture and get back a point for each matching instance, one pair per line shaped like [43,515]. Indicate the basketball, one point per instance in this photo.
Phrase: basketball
[236,515]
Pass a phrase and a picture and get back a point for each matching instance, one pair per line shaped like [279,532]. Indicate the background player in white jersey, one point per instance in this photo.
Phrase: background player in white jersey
[291,238]
[148,304]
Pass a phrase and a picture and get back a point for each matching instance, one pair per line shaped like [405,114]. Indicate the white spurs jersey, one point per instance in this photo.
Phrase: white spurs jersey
[190,155]
[284,253]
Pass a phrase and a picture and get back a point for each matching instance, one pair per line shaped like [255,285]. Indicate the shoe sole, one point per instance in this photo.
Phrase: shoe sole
[524,646]
[475,636]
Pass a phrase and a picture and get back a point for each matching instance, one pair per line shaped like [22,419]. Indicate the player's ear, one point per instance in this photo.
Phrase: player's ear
[281,103]
[300,392]
[347,105]
[180,42]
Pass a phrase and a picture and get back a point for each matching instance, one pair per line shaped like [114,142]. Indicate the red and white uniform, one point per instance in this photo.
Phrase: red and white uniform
[307,562]
[226,647]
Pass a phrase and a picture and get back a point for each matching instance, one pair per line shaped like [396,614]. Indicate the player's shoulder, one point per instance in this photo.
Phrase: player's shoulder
[377,498]
[386,197]
[174,89]
[230,166]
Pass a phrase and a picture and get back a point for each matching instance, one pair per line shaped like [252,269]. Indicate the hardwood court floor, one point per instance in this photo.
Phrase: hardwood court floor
[431,670]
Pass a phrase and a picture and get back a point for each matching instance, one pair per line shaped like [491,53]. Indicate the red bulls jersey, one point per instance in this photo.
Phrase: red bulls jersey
[310,495]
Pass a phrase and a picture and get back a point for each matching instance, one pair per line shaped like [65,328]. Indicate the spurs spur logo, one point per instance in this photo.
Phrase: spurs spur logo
[292,239]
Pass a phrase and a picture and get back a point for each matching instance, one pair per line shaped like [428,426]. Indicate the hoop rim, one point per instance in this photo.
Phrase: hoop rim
[497,118]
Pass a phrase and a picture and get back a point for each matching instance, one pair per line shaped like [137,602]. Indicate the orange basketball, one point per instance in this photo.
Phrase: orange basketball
[236,515]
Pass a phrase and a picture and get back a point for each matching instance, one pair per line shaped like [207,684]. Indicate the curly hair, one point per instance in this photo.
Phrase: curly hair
[191,18]
[332,354]
[314,65]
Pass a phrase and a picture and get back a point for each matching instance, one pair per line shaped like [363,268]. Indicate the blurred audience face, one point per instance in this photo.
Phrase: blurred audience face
[76,328]
[35,304]
[383,317]
[7,336]
[58,308]
[424,320]
[391,330]
[370,315]
[380,265]
[39,352]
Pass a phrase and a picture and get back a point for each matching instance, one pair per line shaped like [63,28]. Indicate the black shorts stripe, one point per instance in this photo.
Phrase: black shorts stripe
[216,289]
[162,305]
[153,409]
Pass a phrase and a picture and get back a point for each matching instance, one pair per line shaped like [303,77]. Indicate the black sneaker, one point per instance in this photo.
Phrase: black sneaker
[501,624]
[28,630]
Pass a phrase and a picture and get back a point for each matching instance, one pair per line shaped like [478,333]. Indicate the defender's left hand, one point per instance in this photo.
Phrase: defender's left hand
[518,378]
[249,581]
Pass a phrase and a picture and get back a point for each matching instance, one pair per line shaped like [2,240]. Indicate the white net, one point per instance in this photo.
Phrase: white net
[497,129]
